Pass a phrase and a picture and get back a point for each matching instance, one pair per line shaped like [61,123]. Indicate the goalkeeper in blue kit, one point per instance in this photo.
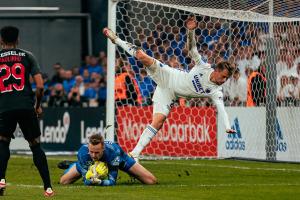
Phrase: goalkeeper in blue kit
[114,158]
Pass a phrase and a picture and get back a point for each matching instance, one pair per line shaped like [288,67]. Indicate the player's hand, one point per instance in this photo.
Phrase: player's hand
[38,111]
[102,169]
[191,23]
[95,181]
[230,131]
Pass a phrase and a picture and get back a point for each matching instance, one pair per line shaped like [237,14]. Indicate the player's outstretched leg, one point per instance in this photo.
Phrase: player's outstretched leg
[128,47]
[131,49]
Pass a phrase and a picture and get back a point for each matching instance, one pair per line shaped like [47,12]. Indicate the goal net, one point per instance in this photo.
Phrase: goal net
[260,37]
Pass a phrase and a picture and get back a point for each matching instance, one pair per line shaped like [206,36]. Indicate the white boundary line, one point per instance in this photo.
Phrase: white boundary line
[167,186]
[226,166]
[192,164]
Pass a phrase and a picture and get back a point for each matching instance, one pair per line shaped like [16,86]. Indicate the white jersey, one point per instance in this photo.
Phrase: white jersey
[195,83]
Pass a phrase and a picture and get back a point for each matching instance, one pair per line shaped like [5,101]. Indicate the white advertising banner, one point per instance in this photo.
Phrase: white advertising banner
[288,134]
[250,139]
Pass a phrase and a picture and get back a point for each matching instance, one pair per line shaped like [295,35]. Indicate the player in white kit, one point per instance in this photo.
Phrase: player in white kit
[200,81]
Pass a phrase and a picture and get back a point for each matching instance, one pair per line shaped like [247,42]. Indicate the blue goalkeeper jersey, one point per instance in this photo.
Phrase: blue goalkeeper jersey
[113,156]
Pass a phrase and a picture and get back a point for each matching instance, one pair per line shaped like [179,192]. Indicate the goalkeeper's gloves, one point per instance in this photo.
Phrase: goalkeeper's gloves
[89,174]
[102,170]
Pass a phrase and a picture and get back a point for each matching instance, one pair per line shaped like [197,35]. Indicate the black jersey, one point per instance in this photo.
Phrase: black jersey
[16,66]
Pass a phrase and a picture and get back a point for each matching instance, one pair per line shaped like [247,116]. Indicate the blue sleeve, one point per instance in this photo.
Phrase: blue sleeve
[80,165]
[112,177]
[87,182]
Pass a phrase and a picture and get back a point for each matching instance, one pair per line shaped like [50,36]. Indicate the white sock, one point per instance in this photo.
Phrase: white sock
[144,140]
[128,47]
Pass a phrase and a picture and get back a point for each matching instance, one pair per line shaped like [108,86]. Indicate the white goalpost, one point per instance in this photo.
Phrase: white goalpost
[258,36]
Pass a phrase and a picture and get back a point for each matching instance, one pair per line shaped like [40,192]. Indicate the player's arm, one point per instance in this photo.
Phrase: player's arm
[39,93]
[81,165]
[218,101]
[38,79]
[191,24]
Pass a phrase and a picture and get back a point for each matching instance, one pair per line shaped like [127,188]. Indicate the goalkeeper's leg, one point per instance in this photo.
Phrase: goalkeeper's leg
[70,175]
[142,174]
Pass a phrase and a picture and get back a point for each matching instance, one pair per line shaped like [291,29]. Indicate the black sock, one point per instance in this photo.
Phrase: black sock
[4,157]
[40,161]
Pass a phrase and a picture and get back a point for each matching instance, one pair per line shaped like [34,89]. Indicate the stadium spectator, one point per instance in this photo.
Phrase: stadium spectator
[237,89]
[18,105]
[111,154]
[58,97]
[86,76]
[282,92]
[146,86]
[91,93]
[103,61]
[68,81]
[242,62]
[74,98]
[256,88]
[285,64]
[94,66]
[79,83]
[172,83]
[58,77]
[293,90]
[87,62]
[47,87]
[75,71]
[102,92]
[127,91]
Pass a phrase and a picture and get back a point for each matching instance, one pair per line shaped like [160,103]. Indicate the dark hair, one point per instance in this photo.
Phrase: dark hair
[226,65]
[9,34]
[96,139]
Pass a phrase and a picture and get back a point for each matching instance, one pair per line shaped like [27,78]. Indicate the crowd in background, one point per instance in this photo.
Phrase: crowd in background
[241,43]
[83,86]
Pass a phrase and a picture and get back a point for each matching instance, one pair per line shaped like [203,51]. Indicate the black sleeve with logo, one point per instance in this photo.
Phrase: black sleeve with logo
[16,66]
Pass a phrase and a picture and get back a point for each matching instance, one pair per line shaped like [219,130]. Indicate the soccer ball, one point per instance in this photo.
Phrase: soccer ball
[97,170]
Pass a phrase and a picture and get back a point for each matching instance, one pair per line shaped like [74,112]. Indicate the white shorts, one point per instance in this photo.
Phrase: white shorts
[164,96]
[160,73]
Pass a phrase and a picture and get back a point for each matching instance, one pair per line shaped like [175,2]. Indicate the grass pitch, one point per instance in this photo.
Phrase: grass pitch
[185,179]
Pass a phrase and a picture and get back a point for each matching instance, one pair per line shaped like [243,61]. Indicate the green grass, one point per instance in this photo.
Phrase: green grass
[186,179]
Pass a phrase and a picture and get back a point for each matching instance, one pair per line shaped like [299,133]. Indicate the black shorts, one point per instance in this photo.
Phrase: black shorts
[26,119]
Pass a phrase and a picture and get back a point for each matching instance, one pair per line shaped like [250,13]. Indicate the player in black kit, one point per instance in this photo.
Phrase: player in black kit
[18,104]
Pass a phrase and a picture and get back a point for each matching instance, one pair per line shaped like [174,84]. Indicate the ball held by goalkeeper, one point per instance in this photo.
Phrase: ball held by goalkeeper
[97,172]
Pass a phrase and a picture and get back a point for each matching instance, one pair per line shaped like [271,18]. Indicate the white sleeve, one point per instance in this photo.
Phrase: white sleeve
[192,47]
[218,101]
